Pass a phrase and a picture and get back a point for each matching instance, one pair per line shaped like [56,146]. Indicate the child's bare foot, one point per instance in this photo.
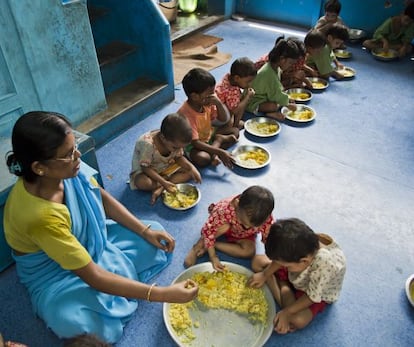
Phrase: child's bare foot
[196,251]
[240,125]
[276,115]
[226,140]
[215,160]
[156,194]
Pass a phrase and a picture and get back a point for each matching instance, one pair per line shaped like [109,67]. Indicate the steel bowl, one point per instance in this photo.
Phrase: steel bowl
[295,116]
[342,54]
[186,189]
[356,35]
[409,289]
[241,152]
[298,94]
[253,126]
[318,84]
[347,71]
[219,327]
[380,54]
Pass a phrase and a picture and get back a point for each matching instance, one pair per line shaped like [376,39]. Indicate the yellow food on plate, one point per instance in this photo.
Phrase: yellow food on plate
[220,290]
[253,158]
[342,54]
[181,321]
[263,128]
[299,96]
[347,73]
[318,85]
[180,199]
[301,114]
[385,54]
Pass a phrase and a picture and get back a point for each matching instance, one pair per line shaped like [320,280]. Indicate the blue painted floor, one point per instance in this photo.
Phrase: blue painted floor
[349,174]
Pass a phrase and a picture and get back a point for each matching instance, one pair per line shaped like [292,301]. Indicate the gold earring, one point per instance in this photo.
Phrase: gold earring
[40,172]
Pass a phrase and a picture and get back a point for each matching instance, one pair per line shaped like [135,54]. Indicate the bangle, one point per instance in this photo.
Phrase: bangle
[145,230]
[150,290]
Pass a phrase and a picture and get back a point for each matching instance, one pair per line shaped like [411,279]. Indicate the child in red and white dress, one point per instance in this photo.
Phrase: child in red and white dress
[229,90]
[239,219]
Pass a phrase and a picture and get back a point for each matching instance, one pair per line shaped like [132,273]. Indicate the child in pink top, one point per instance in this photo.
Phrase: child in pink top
[239,219]
[209,118]
[242,73]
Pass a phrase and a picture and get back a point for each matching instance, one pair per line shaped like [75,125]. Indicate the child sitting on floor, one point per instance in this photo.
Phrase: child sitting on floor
[396,33]
[239,218]
[242,73]
[158,161]
[320,58]
[269,96]
[332,9]
[202,109]
[303,270]
[295,76]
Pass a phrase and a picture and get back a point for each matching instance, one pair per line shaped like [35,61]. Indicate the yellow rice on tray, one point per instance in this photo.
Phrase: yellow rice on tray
[220,290]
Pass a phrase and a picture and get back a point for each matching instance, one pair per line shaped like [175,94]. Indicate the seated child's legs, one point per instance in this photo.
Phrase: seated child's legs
[200,158]
[143,182]
[237,248]
[196,251]
[271,110]
[288,295]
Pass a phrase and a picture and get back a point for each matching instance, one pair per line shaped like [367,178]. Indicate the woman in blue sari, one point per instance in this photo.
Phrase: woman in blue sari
[82,255]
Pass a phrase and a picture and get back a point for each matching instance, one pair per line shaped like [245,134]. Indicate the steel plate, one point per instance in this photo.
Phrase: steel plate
[222,328]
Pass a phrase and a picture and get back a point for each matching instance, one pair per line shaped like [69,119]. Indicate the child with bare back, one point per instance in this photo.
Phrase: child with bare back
[209,119]
[239,219]
[158,161]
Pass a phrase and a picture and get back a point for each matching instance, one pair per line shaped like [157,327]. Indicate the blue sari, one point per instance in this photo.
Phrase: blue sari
[67,304]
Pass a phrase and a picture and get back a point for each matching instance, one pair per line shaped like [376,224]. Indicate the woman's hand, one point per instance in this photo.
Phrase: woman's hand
[181,292]
[160,239]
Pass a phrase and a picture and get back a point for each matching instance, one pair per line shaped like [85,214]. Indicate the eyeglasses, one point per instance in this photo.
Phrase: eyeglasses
[70,157]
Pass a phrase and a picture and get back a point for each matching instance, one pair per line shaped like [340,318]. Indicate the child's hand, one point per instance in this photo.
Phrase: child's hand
[195,174]
[250,92]
[257,280]
[292,106]
[217,265]
[226,158]
[281,322]
[170,187]
[339,66]
[212,100]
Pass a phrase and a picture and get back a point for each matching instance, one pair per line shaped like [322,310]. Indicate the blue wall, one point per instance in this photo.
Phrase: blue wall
[60,54]
[295,12]
[366,14]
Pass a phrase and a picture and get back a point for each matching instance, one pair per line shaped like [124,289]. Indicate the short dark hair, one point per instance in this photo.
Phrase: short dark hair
[243,67]
[175,127]
[333,6]
[258,203]
[338,31]
[409,10]
[36,136]
[286,48]
[290,240]
[86,340]
[315,39]
[197,80]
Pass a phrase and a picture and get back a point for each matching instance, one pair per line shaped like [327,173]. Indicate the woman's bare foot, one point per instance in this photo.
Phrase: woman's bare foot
[276,115]
[155,194]
[196,251]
